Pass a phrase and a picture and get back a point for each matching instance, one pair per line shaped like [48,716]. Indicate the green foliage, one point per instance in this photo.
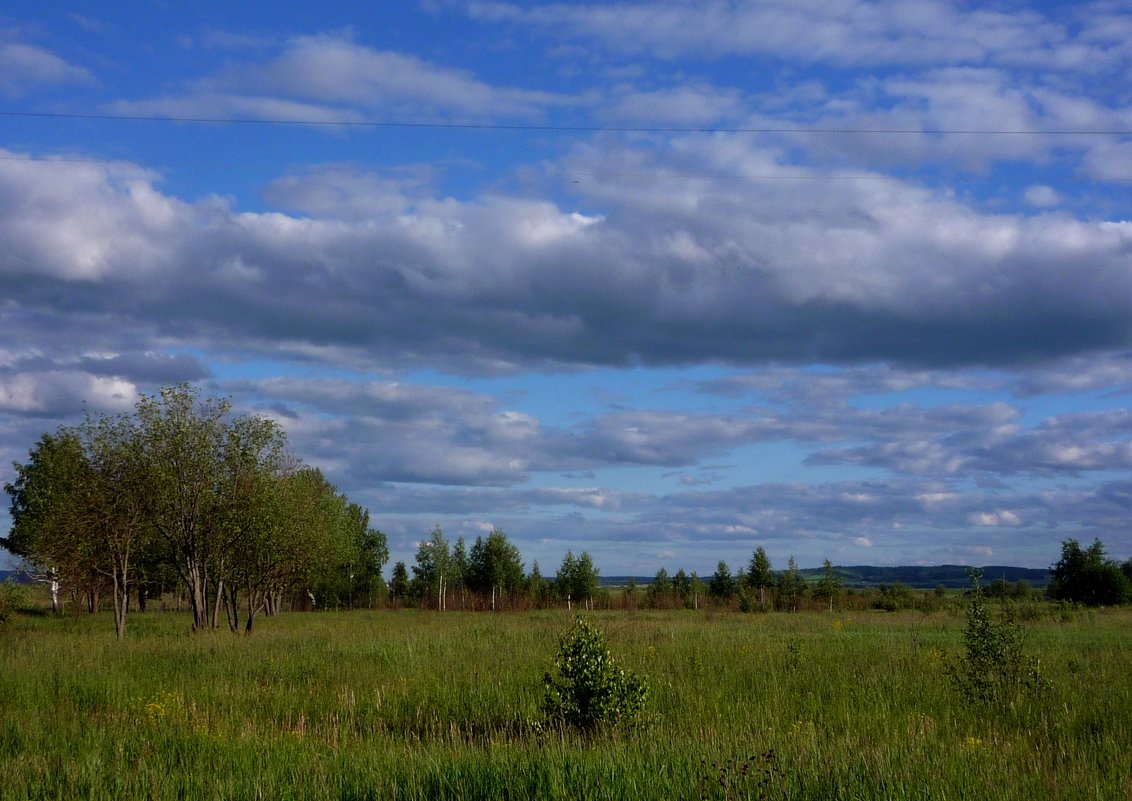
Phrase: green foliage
[180,490]
[495,566]
[722,584]
[1086,576]
[590,692]
[893,597]
[399,589]
[577,578]
[13,597]
[994,667]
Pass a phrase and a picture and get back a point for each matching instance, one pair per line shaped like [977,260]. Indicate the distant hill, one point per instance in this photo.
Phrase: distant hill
[916,576]
[921,577]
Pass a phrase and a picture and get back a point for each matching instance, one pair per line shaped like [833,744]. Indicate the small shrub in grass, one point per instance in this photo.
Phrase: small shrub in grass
[993,666]
[13,597]
[588,691]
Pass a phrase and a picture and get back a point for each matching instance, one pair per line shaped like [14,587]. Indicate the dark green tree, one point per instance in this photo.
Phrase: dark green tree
[760,575]
[721,586]
[791,586]
[495,567]
[399,584]
[1088,576]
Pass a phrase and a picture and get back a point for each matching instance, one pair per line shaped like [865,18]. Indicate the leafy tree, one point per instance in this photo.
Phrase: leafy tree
[460,570]
[564,579]
[433,566]
[697,587]
[494,566]
[722,584]
[399,583]
[588,691]
[631,593]
[830,585]
[791,586]
[1088,576]
[183,442]
[47,511]
[577,579]
[537,586]
[993,667]
[682,587]
[78,510]
[760,575]
[660,590]
[181,488]
[115,504]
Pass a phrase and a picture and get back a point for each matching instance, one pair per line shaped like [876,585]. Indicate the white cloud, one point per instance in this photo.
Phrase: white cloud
[25,67]
[329,78]
[1042,196]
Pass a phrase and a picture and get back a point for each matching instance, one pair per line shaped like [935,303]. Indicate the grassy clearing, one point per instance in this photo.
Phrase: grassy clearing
[424,705]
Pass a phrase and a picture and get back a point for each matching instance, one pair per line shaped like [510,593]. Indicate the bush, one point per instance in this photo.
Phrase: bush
[13,597]
[590,691]
[994,666]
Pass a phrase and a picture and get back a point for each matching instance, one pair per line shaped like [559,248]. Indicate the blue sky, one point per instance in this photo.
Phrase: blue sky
[662,281]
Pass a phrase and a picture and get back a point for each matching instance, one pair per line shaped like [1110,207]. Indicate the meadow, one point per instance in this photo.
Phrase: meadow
[420,705]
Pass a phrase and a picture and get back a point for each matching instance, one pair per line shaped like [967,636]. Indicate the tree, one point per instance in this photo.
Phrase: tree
[760,574]
[183,441]
[495,566]
[564,579]
[589,689]
[697,588]
[830,585]
[399,583]
[659,592]
[433,566]
[682,587]
[78,511]
[721,585]
[115,504]
[1088,576]
[49,530]
[790,586]
[577,579]
[460,568]
[537,586]
[181,487]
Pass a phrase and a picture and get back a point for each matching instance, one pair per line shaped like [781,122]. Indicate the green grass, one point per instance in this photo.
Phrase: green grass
[425,705]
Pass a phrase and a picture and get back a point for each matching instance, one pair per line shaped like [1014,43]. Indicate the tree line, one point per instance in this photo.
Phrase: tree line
[182,494]
[489,575]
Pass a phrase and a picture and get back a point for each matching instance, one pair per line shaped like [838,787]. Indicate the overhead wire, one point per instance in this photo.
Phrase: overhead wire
[550,128]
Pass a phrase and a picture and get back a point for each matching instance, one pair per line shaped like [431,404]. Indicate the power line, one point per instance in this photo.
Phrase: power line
[564,174]
[491,126]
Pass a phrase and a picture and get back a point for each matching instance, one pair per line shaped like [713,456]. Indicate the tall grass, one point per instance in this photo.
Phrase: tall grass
[425,705]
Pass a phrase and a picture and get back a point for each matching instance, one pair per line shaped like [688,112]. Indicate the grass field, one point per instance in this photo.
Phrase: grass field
[407,705]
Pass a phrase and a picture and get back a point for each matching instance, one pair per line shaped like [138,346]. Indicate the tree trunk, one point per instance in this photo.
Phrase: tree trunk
[121,603]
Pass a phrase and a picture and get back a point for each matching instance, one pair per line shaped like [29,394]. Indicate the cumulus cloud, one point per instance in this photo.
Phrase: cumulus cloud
[665,273]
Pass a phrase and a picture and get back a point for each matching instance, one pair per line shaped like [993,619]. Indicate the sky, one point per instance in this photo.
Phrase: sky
[660,281]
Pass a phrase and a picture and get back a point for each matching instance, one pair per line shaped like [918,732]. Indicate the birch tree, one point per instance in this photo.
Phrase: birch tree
[183,441]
